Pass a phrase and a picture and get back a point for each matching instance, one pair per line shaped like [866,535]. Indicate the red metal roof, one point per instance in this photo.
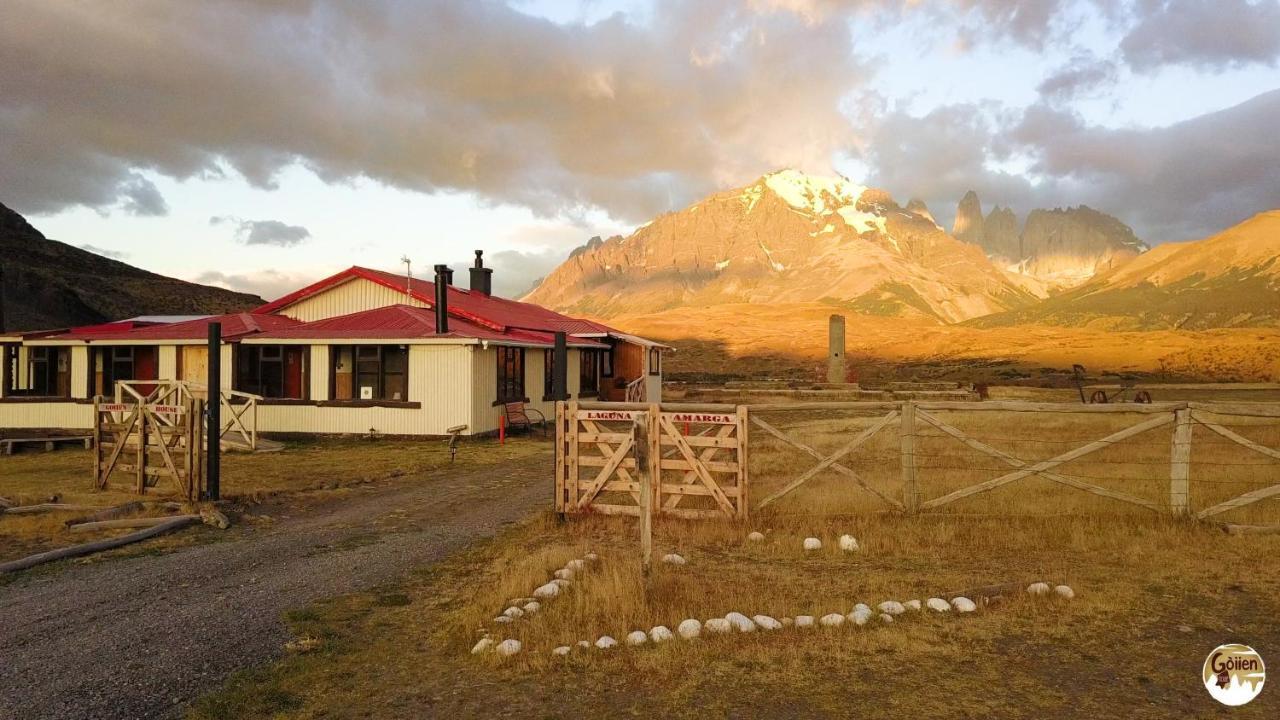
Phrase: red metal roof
[485,310]
[404,322]
[234,326]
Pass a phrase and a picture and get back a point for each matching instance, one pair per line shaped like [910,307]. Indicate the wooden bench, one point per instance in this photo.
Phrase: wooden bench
[518,416]
[7,445]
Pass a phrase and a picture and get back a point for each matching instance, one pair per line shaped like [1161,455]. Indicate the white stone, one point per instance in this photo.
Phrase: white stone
[912,605]
[848,543]
[660,634]
[831,620]
[862,606]
[689,629]
[562,650]
[605,642]
[513,612]
[549,590]
[740,622]
[673,559]
[963,604]
[1064,592]
[886,618]
[1039,588]
[503,619]
[891,607]
[484,645]
[812,544]
[519,602]
[532,606]
[584,643]
[756,536]
[938,604]
[591,557]
[766,623]
[637,637]
[718,625]
[564,574]
[860,616]
[560,582]
[804,621]
[575,565]
[509,647]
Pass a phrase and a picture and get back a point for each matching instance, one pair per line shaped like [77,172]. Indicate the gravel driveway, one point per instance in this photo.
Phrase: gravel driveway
[141,637]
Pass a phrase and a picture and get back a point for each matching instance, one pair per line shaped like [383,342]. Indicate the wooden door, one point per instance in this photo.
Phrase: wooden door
[194,365]
[294,372]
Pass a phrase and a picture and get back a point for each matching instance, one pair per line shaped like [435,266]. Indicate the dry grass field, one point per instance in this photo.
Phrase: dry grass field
[1155,595]
[304,472]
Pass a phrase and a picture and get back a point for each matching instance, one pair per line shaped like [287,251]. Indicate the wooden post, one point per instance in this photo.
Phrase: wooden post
[744,479]
[213,408]
[1180,469]
[907,434]
[835,350]
[644,469]
[141,457]
[655,452]
[571,470]
[97,443]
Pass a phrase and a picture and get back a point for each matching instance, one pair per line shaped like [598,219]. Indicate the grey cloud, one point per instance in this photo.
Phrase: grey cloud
[266,284]
[139,196]
[264,232]
[433,95]
[1206,33]
[1082,75]
[105,252]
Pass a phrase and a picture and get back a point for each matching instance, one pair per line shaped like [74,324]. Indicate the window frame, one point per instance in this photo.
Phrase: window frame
[380,372]
[655,361]
[510,361]
[589,358]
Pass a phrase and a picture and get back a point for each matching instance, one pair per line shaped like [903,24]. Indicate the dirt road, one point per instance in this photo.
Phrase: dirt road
[141,637]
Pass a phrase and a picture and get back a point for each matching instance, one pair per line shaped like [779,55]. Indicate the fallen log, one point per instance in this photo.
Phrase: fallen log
[5,503]
[108,514]
[97,546]
[51,507]
[1251,529]
[127,523]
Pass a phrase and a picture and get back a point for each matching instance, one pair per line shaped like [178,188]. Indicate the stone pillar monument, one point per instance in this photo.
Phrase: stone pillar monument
[835,350]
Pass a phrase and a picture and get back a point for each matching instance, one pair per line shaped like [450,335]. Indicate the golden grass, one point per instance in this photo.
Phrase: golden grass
[304,471]
[1155,596]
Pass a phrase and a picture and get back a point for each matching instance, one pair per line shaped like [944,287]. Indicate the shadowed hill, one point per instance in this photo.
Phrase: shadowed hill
[49,284]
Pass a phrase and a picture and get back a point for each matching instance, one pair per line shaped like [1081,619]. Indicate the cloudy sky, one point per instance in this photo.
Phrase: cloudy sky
[260,144]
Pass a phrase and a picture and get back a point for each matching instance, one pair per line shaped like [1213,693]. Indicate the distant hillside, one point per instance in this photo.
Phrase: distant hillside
[49,284]
[1229,280]
[788,238]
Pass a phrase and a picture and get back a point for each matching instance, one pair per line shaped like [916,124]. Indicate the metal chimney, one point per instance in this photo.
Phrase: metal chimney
[443,276]
[2,328]
[481,276]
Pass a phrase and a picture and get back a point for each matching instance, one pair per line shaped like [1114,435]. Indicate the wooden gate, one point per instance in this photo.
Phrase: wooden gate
[696,459]
[152,442]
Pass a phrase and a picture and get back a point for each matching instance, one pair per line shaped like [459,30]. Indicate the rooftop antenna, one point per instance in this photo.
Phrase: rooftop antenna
[408,274]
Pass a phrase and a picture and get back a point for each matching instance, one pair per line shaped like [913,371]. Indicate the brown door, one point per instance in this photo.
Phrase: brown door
[194,364]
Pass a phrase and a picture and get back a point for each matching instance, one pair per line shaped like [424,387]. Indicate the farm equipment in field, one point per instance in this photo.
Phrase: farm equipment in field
[1100,397]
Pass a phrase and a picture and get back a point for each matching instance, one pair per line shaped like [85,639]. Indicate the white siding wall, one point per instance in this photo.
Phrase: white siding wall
[80,373]
[484,383]
[63,415]
[350,297]
[439,379]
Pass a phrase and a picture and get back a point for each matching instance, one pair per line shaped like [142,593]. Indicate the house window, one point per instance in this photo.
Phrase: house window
[548,374]
[126,362]
[606,361]
[589,372]
[511,375]
[49,371]
[272,371]
[370,372]
[655,361]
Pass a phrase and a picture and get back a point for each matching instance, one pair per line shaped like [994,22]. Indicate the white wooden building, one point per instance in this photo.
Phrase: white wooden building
[360,351]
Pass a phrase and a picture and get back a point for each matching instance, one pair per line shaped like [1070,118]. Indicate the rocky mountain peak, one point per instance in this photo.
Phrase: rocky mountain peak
[969,221]
[917,206]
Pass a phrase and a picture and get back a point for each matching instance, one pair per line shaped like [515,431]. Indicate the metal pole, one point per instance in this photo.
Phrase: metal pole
[560,368]
[213,410]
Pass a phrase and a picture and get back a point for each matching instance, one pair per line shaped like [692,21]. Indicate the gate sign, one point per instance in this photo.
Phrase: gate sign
[607,415]
[709,418]
[116,407]
[166,409]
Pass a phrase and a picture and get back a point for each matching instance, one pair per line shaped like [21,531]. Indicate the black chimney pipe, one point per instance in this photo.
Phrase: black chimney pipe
[481,276]
[443,276]
[2,328]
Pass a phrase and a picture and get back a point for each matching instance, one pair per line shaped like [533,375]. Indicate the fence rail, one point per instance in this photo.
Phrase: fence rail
[704,449]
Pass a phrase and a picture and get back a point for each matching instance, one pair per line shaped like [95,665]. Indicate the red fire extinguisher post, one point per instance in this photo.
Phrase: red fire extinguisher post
[502,429]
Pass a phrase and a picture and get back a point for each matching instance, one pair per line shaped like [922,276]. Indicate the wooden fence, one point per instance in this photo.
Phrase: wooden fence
[694,459]
[151,442]
[699,454]
[239,409]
